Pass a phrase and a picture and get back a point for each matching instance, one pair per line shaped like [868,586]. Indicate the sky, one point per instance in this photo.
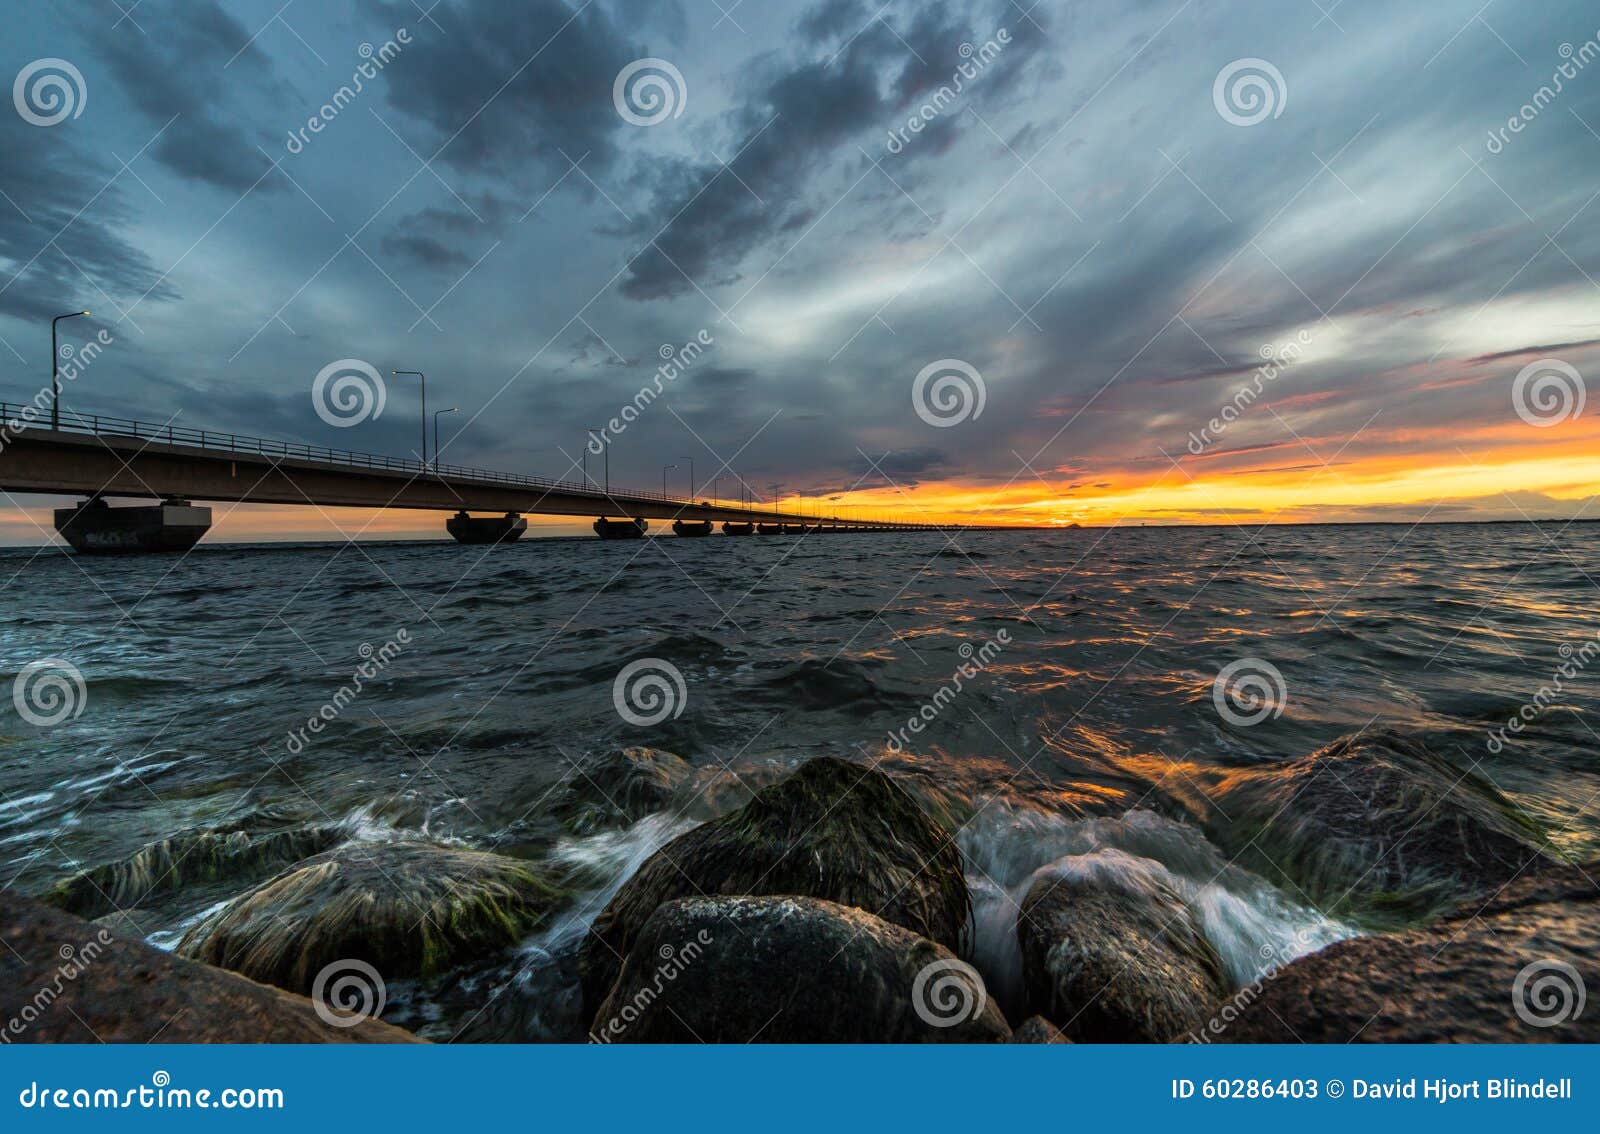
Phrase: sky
[1132,261]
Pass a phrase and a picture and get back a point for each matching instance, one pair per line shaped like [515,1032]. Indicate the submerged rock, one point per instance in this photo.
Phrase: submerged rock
[1512,969]
[252,847]
[790,970]
[130,925]
[1377,825]
[408,909]
[1036,1029]
[113,989]
[833,830]
[1113,952]
[621,787]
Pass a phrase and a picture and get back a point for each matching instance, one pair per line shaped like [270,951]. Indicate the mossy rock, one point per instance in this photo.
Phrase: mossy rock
[834,830]
[790,970]
[1112,951]
[407,909]
[249,848]
[620,787]
[1377,826]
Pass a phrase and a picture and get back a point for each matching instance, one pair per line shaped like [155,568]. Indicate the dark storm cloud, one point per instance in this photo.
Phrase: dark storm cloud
[795,121]
[192,78]
[63,227]
[510,86]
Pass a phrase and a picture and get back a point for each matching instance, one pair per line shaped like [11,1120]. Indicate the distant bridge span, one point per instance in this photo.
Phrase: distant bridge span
[96,456]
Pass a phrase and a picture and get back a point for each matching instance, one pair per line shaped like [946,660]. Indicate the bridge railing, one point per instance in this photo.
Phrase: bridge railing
[16,417]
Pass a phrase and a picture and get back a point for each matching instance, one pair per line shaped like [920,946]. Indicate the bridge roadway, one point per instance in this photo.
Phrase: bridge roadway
[96,456]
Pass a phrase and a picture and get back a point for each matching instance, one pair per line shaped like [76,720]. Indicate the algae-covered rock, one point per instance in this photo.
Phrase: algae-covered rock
[1378,825]
[621,787]
[833,830]
[1515,968]
[1112,951]
[407,909]
[252,847]
[66,980]
[1036,1029]
[790,970]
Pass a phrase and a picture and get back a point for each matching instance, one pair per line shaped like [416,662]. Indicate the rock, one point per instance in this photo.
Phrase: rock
[252,847]
[130,925]
[833,830]
[1111,950]
[407,909]
[790,970]
[1036,1029]
[1377,826]
[1488,972]
[621,787]
[115,990]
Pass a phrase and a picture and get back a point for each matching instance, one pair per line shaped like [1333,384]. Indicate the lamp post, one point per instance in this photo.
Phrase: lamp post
[436,413]
[55,369]
[424,383]
[664,469]
[595,430]
[691,476]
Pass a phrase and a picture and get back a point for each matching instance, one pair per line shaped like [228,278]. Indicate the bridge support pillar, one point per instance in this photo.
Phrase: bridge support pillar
[620,529]
[486,529]
[731,528]
[94,527]
[691,527]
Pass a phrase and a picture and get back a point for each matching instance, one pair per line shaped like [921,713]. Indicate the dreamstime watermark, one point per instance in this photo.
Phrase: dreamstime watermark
[49,91]
[975,60]
[1251,992]
[159,1094]
[947,992]
[648,691]
[70,364]
[1249,691]
[1548,992]
[674,960]
[1548,392]
[1249,91]
[74,962]
[649,91]
[49,692]
[1276,361]
[1574,661]
[977,661]
[376,661]
[674,361]
[348,392]
[1576,60]
[948,392]
[374,61]
[348,991]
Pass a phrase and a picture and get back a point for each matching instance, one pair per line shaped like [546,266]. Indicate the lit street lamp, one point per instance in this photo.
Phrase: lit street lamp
[55,369]
[424,383]
[436,413]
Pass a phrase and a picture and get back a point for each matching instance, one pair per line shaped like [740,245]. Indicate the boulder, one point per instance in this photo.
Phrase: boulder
[1378,826]
[833,830]
[407,909]
[248,848]
[1514,968]
[1036,1029]
[66,980]
[1111,950]
[790,970]
[621,787]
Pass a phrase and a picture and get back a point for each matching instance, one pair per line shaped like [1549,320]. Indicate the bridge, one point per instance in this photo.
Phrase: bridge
[99,457]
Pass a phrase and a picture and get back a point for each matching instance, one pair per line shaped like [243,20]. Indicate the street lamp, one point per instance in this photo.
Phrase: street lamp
[664,469]
[424,383]
[596,430]
[55,369]
[436,413]
[691,476]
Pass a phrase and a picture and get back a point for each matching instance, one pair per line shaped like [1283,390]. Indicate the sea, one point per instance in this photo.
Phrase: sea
[1073,688]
